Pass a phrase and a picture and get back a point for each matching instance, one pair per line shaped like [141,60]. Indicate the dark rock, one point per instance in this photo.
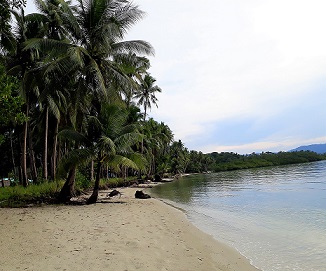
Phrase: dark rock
[141,195]
[114,193]
[157,178]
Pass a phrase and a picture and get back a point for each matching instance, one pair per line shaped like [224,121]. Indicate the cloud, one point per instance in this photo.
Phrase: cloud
[234,61]
[238,74]
[263,146]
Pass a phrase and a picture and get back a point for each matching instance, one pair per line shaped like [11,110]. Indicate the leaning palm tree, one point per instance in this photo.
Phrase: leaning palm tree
[109,141]
[146,94]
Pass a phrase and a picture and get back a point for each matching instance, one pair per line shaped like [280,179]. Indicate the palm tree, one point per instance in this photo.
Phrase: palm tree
[115,146]
[98,35]
[109,141]
[158,137]
[179,157]
[96,29]
[52,25]
[146,94]
[135,67]
[7,40]
[22,64]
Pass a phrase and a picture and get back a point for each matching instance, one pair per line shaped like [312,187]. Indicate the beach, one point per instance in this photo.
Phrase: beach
[121,233]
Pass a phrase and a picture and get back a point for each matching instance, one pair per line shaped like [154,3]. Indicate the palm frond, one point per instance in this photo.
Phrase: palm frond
[107,144]
[134,46]
[126,141]
[47,46]
[75,157]
[54,109]
[139,160]
[118,161]
[74,136]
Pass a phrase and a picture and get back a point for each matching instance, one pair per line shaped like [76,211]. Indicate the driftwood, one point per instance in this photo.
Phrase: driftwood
[141,195]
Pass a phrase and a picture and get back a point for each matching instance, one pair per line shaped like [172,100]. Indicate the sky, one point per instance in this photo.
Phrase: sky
[237,75]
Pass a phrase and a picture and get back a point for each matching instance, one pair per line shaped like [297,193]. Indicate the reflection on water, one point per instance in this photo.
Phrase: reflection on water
[275,216]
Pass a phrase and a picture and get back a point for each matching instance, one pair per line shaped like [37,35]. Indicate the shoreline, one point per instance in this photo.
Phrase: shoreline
[235,250]
[117,234]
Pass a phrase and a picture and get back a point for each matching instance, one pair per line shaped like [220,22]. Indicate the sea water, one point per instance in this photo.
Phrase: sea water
[274,216]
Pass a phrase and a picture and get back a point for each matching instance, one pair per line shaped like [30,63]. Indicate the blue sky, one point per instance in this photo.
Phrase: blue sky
[238,75]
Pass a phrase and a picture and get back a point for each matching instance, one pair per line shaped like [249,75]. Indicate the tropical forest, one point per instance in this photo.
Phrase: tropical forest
[75,97]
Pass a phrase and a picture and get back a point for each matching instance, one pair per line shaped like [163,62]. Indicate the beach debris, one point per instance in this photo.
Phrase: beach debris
[114,193]
[141,195]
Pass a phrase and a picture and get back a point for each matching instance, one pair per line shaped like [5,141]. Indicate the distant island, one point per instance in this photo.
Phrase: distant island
[233,161]
[317,148]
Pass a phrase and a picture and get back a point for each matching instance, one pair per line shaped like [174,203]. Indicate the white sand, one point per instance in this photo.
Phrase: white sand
[118,234]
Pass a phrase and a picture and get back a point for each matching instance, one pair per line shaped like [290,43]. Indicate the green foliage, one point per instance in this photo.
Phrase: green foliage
[179,157]
[146,93]
[82,182]
[199,162]
[18,196]
[10,102]
[115,182]
[233,161]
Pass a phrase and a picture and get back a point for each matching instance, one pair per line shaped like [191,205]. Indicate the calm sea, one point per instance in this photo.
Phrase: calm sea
[274,216]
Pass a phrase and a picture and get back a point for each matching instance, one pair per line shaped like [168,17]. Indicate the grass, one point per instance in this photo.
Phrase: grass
[46,192]
[116,182]
[18,196]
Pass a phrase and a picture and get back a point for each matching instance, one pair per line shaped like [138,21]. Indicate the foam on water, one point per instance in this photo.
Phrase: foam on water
[275,216]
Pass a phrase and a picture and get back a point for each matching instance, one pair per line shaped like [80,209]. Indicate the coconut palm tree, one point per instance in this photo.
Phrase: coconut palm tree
[146,94]
[158,137]
[96,31]
[51,24]
[115,146]
[7,40]
[135,67]
[109,141]
[22,63]
[104,24]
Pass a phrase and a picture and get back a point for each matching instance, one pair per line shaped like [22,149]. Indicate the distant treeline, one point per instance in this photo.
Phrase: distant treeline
[232,161]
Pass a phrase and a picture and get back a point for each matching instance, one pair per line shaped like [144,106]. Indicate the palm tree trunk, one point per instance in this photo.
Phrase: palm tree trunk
[92,170]
[45,151]
[31,155]
[12,153]
[54,152]
[68,189]
[142,141]
[145,112]
[24,150]
[93,198]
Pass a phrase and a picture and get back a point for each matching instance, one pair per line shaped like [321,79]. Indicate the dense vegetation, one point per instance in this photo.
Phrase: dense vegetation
[74,101]
[233,161]
[72,89]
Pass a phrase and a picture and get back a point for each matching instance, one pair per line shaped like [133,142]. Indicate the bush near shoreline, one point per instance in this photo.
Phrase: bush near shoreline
[47,192]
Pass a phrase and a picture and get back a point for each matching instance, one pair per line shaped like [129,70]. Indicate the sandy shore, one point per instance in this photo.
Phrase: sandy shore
[117,234]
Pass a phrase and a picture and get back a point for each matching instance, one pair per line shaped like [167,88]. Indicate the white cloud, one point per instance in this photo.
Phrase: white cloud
[235,59]
[284,144]
[220,60]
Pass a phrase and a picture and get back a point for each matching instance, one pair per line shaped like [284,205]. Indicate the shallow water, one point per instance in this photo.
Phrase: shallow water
[274,216]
